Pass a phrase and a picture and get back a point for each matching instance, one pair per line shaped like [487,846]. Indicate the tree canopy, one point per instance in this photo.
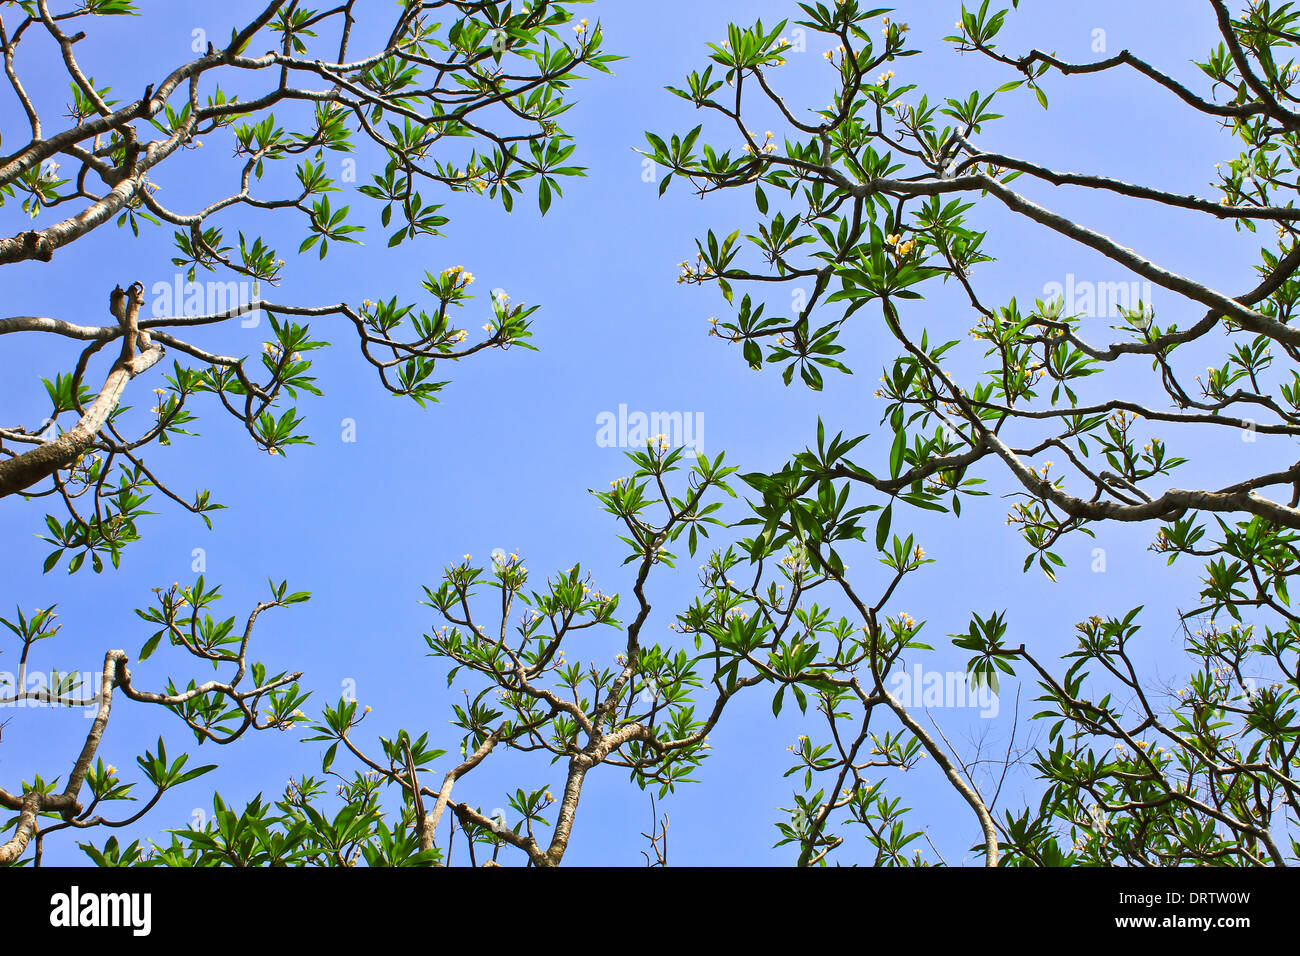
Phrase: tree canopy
[1081,416]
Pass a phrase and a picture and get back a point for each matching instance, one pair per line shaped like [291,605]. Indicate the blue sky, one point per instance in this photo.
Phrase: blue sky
[506,459]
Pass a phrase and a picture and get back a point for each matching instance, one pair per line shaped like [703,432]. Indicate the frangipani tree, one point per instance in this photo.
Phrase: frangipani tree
[462,97]
[638,711]
[218,709]
[454,97]
[869,200]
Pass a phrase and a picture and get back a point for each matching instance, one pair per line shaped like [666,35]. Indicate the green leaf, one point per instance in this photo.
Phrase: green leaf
[150,646]
[882,526]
